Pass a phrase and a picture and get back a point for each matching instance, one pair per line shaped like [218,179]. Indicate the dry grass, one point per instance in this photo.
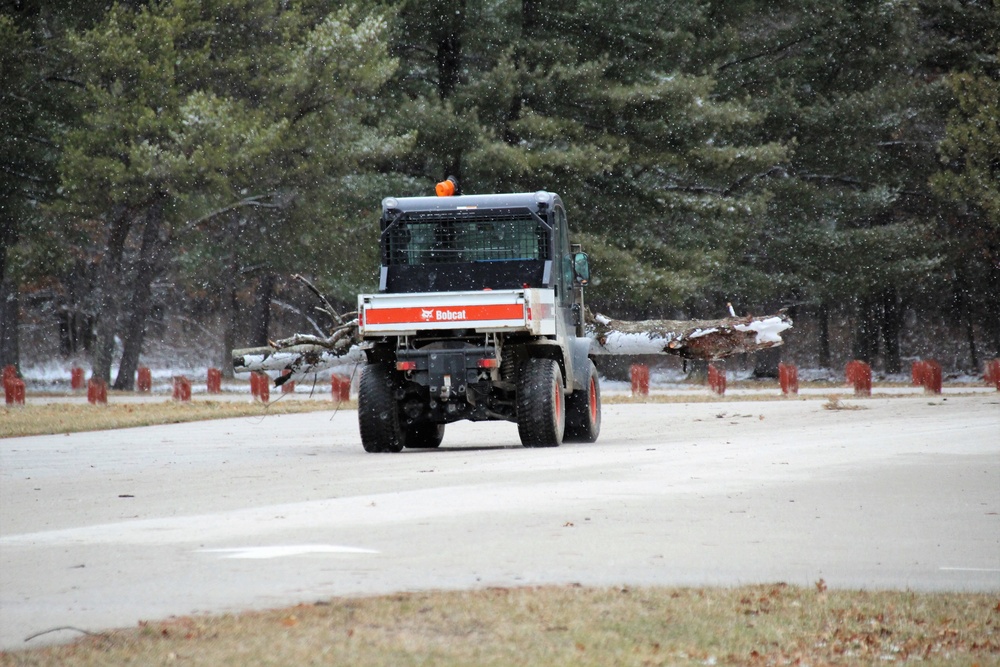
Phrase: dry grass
[66,417]
[756,625]
[834,403]
[48,418]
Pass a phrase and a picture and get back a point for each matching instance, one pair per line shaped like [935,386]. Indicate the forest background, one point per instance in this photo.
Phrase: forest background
[178,161]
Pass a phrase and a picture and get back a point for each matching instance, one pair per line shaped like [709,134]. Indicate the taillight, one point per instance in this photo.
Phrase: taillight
[406,365]
[488,363]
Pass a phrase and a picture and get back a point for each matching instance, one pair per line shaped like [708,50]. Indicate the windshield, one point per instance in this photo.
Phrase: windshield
[458,241]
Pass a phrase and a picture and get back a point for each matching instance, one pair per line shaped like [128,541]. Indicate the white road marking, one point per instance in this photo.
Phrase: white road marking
[280,551]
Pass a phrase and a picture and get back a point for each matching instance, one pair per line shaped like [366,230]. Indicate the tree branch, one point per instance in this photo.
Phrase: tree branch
[257,201]
[329,310]
[767,52]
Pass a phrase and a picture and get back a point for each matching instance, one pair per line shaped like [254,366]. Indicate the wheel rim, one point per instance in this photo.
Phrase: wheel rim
[592,399]
[560,413]
[558,402]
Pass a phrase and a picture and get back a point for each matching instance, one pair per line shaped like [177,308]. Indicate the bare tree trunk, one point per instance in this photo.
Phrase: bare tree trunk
[991,312]
[697,370]
[107,288]
[449,51]
[261,322]
[10,310]
[892,325]
[529,24]
[449,68]
[963,312]
[970,337]
[824,336]
[228,302]
[10,307]
[135,330]
[866,328]
[766,363]
[229,311]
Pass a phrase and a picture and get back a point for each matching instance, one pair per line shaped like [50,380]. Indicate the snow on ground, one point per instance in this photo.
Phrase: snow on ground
[52,377]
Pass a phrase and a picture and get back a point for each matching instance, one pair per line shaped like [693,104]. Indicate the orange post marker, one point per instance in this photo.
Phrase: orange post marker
[932,377]
[340,387]
[289,386]
[788,376]
[10,386]
[260,386]
[927,374]
[77,381]
[182,389]
[143,380]
[716,379]
[992,374]
[97,391]
[14,391]
[859,375]
[13,387]
[214,382]
[639,374]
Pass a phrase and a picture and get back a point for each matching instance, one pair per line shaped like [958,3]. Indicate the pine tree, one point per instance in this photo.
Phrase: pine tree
[605,103]
[971,181]
[32,107]
[227,116]
[850,224]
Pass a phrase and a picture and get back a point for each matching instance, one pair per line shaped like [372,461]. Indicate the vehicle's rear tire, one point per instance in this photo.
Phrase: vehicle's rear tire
[583,411]
[424,435]
[541,413]
[378,413]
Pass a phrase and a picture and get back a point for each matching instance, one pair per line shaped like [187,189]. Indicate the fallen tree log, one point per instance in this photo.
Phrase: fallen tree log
[301,360]
[707,340]
[302,354]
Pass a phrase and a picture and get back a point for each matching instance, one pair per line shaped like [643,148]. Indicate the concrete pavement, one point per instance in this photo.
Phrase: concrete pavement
[104,529]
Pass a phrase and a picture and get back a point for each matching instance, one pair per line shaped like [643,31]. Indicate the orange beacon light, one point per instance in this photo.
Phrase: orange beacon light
[447,187]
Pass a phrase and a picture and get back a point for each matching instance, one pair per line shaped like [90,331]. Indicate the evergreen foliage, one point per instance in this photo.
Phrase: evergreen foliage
[839,158]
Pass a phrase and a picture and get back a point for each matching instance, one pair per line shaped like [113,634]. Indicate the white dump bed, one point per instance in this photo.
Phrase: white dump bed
[529,310]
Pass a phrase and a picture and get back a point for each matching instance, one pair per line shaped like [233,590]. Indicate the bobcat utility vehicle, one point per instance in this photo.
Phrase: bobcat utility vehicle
[479,316]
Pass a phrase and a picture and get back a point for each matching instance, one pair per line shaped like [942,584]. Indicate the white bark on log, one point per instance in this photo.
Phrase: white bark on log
[302,354]
[689,339]
[301,360]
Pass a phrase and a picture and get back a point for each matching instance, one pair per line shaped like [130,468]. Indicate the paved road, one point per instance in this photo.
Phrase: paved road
[105,529]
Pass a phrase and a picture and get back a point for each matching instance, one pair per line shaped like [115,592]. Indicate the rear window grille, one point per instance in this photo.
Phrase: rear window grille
[457,241]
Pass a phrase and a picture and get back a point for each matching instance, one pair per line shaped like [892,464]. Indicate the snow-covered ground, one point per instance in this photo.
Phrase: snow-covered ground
[52,378]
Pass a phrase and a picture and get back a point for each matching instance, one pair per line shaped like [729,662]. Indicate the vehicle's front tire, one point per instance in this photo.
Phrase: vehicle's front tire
[424,435]
[541,413]
[583,411]
[378,414]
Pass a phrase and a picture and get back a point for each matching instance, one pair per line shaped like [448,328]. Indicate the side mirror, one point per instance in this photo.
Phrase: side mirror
[581,266]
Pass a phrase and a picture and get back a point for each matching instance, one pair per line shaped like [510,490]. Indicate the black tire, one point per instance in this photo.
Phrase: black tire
[583,411]
[424,435]
[378,414]
[541,408]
